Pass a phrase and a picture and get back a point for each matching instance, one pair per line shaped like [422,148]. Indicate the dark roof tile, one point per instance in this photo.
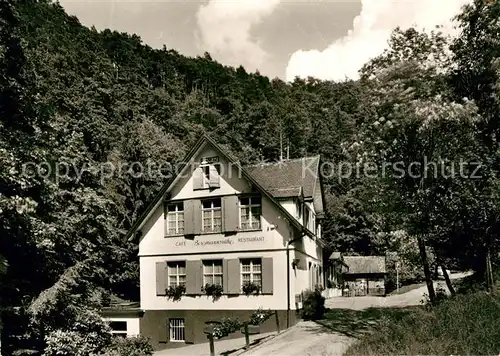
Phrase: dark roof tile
[279,177]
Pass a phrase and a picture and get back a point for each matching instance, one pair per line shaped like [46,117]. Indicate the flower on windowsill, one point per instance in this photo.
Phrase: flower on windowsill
[250,288]
[175,292]
[214,290]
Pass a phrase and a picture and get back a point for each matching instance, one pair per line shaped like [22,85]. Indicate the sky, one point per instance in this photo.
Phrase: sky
[327,39]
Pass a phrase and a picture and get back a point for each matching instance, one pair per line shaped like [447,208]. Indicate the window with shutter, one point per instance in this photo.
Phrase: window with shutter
[208,175]
[174,219]
[176,273]
[212,272]
[250,211]
[212,215]
[251,271]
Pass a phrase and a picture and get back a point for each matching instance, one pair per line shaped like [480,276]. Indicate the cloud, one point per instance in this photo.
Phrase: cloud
[225,30]
[369,35]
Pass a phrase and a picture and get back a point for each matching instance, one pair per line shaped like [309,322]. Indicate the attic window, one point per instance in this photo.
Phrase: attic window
[207,175]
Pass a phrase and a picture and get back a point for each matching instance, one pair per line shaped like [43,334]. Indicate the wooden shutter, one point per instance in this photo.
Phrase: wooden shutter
[193,277]
[233,276]
[190,325]
[164,332]
[267,275]
[197,220]
[230,209]
[225,275]
[165,214]
[198,178]
[214,181]
[161,278]
[189,216]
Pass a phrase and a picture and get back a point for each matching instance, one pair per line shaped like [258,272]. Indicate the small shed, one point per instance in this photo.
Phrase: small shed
[365,276]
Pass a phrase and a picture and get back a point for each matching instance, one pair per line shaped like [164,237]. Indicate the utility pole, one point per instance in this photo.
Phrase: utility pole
[397,276]
[281,145]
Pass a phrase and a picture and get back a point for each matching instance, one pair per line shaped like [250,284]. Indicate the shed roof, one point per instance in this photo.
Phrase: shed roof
[365,264]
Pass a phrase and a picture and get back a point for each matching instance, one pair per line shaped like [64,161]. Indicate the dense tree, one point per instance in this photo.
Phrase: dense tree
[104,113]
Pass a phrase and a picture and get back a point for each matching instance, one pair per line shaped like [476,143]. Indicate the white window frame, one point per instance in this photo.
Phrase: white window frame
[211,211]
[251,218]
[177,329]
[178,265]
[179,217]
[252,273]
[213,263]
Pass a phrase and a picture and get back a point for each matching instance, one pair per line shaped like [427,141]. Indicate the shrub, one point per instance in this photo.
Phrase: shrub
[260,316]
[130,346]
[313,307]
[87,335]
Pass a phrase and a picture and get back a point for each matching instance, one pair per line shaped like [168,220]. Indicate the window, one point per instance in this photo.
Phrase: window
[212,215]
[176,273]
[251,271]
[211,175]
[212,272]
[175,219]
[176,327]
[118,328]
[250,210]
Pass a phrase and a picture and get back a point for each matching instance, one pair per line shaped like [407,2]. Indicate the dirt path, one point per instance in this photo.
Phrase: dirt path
[412,297]
[312,339]
[306,338]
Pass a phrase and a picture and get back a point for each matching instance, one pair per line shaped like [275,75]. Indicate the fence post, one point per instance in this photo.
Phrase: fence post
[247,337]
[212,346]
[277,321]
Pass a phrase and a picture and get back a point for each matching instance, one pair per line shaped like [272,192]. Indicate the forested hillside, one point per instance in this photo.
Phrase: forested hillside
[83,103]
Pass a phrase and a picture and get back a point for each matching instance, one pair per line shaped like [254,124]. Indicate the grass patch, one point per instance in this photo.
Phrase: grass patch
[357,323]
[463,325]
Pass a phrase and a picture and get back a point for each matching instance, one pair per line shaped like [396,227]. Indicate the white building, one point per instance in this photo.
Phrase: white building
[217,223]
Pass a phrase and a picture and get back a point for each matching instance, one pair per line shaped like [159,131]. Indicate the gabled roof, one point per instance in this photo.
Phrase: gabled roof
[189,160]
[300,172]
[365,264]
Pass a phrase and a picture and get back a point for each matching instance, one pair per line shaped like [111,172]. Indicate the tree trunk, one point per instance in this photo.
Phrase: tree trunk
[447,279]
[427,271]
[489,272]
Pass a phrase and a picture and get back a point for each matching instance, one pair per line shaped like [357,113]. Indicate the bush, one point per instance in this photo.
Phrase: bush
[87,335]
[313,307]
[461,325]
[130,346]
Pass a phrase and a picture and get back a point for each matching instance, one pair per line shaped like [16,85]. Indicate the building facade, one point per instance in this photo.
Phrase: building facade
[217,225]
